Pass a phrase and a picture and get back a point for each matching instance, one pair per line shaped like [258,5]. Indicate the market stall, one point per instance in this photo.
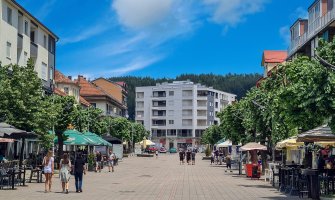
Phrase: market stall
[253,169]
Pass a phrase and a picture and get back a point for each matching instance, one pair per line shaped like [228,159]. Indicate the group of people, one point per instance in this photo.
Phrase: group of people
[218,157]
[111,161]
[188,154]
[66,169]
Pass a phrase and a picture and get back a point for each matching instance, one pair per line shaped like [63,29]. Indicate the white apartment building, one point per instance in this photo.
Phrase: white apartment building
[22,37]
[178,113]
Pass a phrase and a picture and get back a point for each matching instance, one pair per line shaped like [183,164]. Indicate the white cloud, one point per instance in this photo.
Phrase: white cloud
[135,65]
[141,13]
[232,12]
[86,34]
[285,34]
[300,12]
[45,9]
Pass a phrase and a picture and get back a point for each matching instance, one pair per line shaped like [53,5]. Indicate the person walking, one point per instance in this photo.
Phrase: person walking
[64,172]
[156,153]
[212,158]
[99,162]
[181,156]
[188,157]
[228,162]
[111,161]
[79,170]
[193,157]
[48,169]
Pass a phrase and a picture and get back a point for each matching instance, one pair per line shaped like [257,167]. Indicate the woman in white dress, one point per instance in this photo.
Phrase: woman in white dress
[48,169]
[64,172]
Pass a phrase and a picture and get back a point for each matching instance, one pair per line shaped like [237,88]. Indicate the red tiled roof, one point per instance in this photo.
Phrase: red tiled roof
[59,92]
[61,78]
[87,88]
[121,83]
[270,56]
[84,102]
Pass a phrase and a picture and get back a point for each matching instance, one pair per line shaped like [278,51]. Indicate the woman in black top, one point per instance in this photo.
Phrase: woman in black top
[79,169]
[188,156]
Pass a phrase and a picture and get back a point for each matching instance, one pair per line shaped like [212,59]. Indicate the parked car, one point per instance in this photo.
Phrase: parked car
[162,150]
[173,150]
[152,149]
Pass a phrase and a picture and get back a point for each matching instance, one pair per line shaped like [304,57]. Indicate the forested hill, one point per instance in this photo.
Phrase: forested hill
[237,84]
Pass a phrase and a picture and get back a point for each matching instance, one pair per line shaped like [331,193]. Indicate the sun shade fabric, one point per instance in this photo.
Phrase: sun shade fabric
[9,131]
[75,137]
[6,140]
[319,134]
[253,146]
[227,143]
[98,140]
[147,142]
[289,143]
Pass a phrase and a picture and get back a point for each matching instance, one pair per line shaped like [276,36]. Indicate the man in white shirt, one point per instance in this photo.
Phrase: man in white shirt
[111,161]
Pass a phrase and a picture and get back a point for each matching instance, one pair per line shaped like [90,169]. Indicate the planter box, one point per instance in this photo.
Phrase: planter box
[206,158]
[145,155]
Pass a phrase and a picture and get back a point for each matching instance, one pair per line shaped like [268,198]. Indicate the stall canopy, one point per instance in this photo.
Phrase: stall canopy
[111,139]
[75,137]
[289,143]
[226,143]
[147,143]
[98,140]
[319,134]
[253,146]
[9,131]
[6,140]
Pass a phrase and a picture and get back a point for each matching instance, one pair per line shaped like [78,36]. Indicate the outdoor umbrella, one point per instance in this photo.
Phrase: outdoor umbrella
[147,142]
[289,143]
[75,137]
[98,140]
[319,134]
[253,146]
[6,140]
[9,131]
[226,143]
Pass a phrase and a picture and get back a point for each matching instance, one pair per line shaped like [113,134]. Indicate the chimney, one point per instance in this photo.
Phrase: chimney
[70,77]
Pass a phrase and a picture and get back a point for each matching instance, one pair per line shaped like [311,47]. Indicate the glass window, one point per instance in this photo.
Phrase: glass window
[9,16]
[8,50]
[26,27]
[44,71]
[171,121]
[45,41]
[66,90]
[51,74]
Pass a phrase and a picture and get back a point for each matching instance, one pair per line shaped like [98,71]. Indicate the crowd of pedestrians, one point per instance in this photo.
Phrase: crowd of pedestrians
[189,154]
[75,166]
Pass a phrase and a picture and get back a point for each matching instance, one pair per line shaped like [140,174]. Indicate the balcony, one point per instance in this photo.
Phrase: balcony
[19,41]
[313,29]
[33,49]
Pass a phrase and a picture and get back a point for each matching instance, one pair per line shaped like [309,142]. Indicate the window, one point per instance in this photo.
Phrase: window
[25,57]
[9,16]
[51,74]
[171,121]
[26,27]
[45,41]
[66,90]
[171,93]
[94,105]
[44,71]
[8,50]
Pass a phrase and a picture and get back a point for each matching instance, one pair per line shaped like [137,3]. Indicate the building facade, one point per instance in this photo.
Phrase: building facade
[116,89]
[99,98]
[305,33]
[178,113]
[22,37]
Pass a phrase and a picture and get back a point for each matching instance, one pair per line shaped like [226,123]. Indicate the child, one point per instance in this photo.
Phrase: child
[156,154]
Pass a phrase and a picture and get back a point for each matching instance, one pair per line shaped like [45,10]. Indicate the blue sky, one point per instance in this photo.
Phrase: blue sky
[164,38]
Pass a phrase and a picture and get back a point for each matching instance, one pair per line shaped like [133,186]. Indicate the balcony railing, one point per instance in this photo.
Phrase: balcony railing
[313,29]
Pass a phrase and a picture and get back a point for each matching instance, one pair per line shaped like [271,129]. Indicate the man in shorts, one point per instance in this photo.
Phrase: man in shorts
[99,162]
[111,161]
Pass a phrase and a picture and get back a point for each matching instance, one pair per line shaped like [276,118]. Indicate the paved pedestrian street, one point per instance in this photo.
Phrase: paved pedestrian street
[150,178]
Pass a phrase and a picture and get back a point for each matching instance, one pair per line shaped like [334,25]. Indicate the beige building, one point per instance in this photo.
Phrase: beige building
[271,59]
[22,36]
[116,89]
[99,98]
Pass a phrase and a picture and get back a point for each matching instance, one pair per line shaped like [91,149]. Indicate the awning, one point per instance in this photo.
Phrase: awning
[75,137]
[9,131]
[290,143]
[226,143]
[6,140]
[147,142]
[253,146]
[319,134]
[111,139]
[97,139]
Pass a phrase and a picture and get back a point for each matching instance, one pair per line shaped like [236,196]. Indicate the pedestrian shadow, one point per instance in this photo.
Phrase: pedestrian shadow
[258,186]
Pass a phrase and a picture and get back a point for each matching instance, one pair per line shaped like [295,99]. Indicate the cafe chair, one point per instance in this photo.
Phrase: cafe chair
[303,186]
